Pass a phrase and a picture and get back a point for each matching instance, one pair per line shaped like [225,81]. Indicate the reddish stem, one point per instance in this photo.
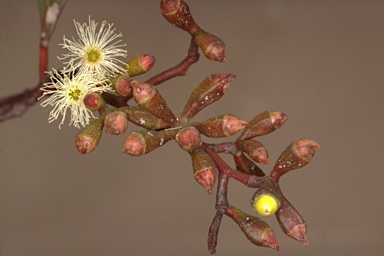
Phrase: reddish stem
[221,205]
[15,105]
[214,232]
[248,180]
[43,60]
[178,70]
[225,147]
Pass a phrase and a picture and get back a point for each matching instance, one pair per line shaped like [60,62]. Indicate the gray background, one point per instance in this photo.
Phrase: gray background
[321,62]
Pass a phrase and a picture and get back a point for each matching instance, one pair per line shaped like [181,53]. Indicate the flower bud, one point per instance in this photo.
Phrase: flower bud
[148,97]
[291,222]
[143,142]
[93,101]
[266,200]
[122,85]
[212,46]
[140,64]
[88,138]
[208,91]
[142,117]
[220,126]
[116,122]
[204,169]
[177,13]
[262,124]
[245,165]
[188,138]
[266,205]
[254,149]
[256,230]
[296,155]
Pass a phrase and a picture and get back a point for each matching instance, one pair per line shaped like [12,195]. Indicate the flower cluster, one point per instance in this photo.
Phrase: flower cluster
[91,63]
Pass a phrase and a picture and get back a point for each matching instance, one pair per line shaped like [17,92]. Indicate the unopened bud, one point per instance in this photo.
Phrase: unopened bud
[204,169]
[262,124]
[116,122]
[255,150]
[296,155]
[245,165]
[88,138]
[266,205]
[148,97]
[142,117]
[256,230]
[220,126]
[93,101]
[188,138]
[122,85]
[208,91]
[291,222]
[266,200]
[143,142]
[140,64]
[212,46]
[177,13]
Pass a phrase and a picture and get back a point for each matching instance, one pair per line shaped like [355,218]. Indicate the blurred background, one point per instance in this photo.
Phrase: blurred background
[320,62]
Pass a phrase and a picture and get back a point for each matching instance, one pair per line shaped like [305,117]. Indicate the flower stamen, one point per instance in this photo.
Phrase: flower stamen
[97,51]
[67,91]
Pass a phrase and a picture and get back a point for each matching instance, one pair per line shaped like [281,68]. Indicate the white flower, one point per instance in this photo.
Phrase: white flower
[67,91]
[95,52]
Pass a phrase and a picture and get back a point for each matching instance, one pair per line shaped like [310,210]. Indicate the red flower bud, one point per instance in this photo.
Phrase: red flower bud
[220,126]
[208,91]
[212,46]
[245,165]
[291,222]
[256,230]
[140,64]
[177,13]
[296,155]
[189,138]
[254,149]
[93,101]
[262,124]
[88,138]
[148,97]
[143,142]
[116,122]
[122,85]
[204,169]
[142,117]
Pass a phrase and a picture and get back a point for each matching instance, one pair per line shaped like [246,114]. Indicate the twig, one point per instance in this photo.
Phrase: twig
[178,70]
[248,180]
[15,105]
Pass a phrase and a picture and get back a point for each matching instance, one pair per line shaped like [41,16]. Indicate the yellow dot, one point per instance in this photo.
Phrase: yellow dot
[266,205]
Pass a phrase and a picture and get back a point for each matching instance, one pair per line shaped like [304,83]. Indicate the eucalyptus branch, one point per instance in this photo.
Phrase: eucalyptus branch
[95,79]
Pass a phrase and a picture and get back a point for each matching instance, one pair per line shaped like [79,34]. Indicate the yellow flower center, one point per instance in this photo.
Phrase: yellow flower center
[93,56]
[74,94]
[266,205]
